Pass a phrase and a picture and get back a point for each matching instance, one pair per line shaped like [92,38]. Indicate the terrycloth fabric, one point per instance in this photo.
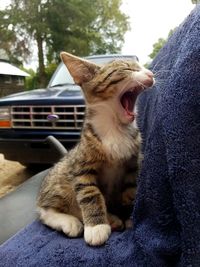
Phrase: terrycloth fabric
[167,210]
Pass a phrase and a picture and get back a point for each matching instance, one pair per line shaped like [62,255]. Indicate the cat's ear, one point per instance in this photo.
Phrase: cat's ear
[80,69]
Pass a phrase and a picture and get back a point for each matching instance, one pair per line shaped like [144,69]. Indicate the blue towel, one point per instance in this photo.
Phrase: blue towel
[167,209]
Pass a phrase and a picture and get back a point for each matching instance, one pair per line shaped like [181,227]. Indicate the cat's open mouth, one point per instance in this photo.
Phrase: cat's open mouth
[128,100]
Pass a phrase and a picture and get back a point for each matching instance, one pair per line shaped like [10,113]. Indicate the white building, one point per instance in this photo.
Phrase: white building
[11,78]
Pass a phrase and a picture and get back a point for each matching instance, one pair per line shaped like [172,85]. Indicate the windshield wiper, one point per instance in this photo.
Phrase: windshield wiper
[62,84]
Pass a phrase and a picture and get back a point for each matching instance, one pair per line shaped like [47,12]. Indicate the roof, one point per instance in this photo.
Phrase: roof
[8,69]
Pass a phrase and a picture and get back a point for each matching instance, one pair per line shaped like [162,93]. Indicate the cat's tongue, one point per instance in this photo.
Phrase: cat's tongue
[128,101]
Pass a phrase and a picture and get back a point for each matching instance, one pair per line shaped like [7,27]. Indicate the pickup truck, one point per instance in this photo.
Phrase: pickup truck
[27,118]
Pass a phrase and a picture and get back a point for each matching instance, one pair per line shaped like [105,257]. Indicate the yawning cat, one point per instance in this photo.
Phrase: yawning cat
[93,186]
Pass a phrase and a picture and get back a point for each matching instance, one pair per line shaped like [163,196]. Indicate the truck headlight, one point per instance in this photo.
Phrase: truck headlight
[5,120]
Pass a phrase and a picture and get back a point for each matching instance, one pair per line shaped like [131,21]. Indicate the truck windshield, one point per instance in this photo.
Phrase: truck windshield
[62,76]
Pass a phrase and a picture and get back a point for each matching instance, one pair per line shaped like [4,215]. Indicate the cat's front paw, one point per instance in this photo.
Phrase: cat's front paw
[97,235]
[72,227]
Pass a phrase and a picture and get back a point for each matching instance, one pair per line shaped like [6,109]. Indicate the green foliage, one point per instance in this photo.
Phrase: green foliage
[77,26]
[159,44]
[50,68]
[16,48]
[195,1]
[32,81]
[85,27]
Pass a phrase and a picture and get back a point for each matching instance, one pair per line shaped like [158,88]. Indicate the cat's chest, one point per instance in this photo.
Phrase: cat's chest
[111,178]
[120,147]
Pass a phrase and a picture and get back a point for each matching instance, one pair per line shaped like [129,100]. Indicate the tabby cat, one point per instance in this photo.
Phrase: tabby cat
[92,188]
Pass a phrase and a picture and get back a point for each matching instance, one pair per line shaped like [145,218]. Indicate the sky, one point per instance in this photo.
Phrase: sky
[149,21]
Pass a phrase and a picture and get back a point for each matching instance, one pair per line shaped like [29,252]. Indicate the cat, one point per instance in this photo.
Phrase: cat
[92,188]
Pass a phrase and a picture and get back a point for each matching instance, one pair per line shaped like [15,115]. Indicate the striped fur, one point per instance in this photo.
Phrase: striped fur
[97,178]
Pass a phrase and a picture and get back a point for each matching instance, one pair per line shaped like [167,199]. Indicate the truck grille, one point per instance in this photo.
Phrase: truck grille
[35,117]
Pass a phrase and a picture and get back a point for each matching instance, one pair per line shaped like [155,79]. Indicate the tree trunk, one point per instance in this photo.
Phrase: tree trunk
[42,74]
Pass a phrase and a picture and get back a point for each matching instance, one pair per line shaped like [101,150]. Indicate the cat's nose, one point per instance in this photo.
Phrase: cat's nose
[149,79]
[149,74]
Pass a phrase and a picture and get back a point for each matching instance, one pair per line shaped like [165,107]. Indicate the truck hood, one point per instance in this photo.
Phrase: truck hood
[52,94]
[71,91]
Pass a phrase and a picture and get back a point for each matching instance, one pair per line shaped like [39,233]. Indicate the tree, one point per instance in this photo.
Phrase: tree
[159,44]
[100,26]
[15,48]
[77,26]
[195,1]
[28,25]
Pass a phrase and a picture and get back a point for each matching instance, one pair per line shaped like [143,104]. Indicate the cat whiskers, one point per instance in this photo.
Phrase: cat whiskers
[171,63]
[141,85]
[160,61]
[161,74]
[156,82]
[159,80]
[157,73]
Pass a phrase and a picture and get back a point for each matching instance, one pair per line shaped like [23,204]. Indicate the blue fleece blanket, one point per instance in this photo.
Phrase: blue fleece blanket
[167,210]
